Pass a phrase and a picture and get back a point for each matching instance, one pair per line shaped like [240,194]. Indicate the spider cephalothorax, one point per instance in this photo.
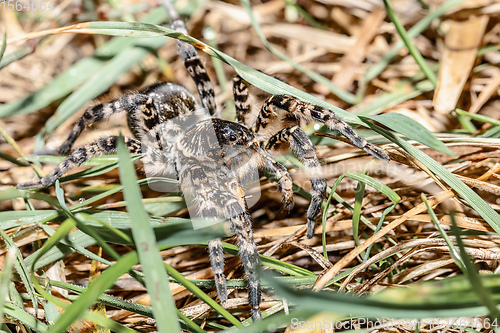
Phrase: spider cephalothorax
[212,158]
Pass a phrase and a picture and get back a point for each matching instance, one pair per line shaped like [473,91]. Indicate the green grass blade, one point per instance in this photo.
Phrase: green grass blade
[417,29]
[104,322]
[95,289]
[453,251]
[340,93]
[479,117]
[411,47]
[356,213]
[21,269]
[472,198]
[483,294]
[12,159]
[99,83]
[25,318]
[5,277]
[379,186]
[403,93]
[411,129]
[18,218]
[252,76]
[18,54]
[63,231]
[201,295]
[151,261]
[424,302]
[4,45]
[271,262]
[376,184]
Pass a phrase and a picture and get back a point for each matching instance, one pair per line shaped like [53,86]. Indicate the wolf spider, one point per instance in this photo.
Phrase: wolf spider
[211,169]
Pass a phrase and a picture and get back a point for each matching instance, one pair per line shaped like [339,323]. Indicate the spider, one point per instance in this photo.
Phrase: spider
[212,157]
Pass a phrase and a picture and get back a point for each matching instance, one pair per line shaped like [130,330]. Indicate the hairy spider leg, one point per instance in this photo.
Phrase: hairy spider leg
[217,262]
[145,110]
[295,138]
[103,146]
[290,137]
[242,101]
[195,68]
[311,112]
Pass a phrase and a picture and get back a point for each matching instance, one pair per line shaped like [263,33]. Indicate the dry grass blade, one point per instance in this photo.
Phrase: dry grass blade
[329,274]
[459,54]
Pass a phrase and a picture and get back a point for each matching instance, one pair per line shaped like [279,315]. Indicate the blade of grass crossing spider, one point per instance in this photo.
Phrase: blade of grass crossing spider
[483,294]
[77,309]
[277,87]
[453,251]
[5,277]
[340,93]
[411,129]
[77,74]
[472,198]
[21,269]
[252,76]
[152,264]
[201,295]
[229,112]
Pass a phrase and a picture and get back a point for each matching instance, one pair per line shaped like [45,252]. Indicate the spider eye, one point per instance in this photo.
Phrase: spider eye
[232,138]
